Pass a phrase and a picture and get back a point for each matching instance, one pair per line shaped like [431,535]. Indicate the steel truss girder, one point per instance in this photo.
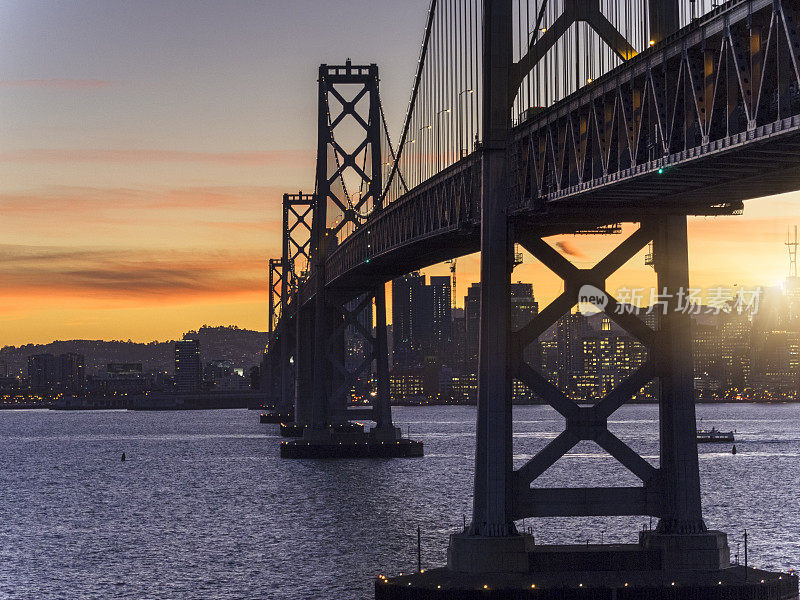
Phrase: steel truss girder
[584,422]
[707,90]
[442,205]
[621,112]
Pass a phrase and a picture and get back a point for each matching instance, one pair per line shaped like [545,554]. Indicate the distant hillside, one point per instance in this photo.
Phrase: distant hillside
[242,347]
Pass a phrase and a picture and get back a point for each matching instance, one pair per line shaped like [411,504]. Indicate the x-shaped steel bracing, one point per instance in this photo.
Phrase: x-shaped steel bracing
[352,211]
[584,422]
[351,319]
[277,284]
[298,213]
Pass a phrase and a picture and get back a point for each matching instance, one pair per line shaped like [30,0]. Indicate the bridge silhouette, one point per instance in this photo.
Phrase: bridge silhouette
[526,120]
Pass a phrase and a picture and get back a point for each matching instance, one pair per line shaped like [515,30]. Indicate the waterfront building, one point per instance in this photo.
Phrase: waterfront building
[188,373]
[472,320]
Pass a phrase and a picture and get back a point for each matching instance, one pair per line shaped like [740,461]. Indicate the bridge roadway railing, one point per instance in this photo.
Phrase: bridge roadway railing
[705,119]
[712,112]
[432,222]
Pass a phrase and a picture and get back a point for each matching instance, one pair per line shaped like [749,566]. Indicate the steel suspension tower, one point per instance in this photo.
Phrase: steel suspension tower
[501,494]
[493,499]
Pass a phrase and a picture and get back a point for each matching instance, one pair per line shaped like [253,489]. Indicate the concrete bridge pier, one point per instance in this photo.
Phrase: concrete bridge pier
[331,431]
[304,362]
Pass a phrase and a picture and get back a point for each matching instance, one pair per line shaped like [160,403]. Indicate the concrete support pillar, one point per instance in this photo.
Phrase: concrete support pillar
[680,476]
[304,365]
[664,19]
[286,331]
[334,352]
[319,230]
[493,500]
[382,405]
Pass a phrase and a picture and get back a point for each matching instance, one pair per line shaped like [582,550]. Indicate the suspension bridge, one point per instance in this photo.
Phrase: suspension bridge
[527,119]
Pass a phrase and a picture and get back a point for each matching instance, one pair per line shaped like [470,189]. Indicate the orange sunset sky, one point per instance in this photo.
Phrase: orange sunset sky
[145,146]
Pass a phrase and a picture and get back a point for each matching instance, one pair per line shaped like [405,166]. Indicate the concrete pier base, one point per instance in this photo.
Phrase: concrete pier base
[349,442]
[706,551]
[733,583]
[274,417]
[474,554]
[293,430]
[659,567]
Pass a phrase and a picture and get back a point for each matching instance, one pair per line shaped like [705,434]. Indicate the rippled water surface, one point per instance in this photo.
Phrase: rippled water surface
[205,508]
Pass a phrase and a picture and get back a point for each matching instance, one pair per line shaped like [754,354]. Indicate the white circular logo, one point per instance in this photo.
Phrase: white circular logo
[591,300]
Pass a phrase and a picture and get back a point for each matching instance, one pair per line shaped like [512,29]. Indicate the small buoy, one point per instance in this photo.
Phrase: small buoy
[123,456]
[733,451]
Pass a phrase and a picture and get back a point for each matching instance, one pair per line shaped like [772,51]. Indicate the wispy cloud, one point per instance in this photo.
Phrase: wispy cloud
[59,84]
[264,158]
[569,249]
[55,199]
[128,273]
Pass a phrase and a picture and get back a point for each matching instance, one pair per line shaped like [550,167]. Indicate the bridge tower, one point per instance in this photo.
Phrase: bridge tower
[349,190]
[273,368]
[297,222]
[285,275]
[502,495]
[335,162]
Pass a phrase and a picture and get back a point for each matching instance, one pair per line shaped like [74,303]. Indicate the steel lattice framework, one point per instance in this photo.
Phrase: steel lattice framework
[704,118]
[336,164]
[736,152]
[704,96]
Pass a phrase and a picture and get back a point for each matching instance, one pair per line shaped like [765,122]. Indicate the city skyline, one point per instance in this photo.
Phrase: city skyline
[745,352]
[638,295]
[141,193]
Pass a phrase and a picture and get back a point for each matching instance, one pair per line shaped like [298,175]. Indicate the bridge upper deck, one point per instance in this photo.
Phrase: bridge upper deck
[706,119]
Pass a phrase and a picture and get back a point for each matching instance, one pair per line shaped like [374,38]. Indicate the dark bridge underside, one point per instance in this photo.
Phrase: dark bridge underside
[716,182]
[696,125]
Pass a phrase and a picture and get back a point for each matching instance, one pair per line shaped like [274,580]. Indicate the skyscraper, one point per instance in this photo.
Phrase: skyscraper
[523,309]
[71,373]
[405,290]
[570,332]
[412,319]
[472,319]
[442,316]
[42,372]
[458,357]
[187,365]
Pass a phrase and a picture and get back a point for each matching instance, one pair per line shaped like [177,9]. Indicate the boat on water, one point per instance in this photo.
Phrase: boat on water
[714,435]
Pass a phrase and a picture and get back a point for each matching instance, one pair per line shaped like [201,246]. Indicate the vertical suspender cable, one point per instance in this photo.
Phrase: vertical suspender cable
[414,92]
